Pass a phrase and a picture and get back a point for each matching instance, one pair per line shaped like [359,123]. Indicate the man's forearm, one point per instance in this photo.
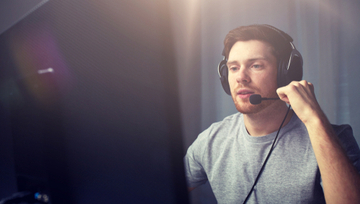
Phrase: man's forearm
[341,181]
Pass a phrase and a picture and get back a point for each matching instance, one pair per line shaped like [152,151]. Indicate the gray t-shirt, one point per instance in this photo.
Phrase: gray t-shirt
[230,159]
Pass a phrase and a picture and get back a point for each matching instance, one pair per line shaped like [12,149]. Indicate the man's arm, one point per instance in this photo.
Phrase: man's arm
[341,181]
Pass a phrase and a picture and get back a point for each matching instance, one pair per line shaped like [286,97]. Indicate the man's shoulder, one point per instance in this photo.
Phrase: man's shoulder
[222,128]
[216,137]
[227,122]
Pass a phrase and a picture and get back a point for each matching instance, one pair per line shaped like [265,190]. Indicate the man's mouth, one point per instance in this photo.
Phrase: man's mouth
[245,93]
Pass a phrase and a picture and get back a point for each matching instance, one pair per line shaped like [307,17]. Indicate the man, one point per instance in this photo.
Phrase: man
[312,161]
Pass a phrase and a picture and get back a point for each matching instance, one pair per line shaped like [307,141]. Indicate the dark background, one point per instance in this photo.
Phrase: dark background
[104,125]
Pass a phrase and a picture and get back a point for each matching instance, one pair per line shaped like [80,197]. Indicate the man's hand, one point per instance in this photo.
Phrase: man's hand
[300,95]
[341,181]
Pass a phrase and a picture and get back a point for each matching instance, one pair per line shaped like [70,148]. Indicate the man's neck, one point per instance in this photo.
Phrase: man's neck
[268,120]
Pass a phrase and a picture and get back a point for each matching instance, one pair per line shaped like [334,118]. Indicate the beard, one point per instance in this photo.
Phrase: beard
[245,107]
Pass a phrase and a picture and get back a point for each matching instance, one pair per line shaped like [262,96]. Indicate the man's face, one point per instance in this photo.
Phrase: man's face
[252,70]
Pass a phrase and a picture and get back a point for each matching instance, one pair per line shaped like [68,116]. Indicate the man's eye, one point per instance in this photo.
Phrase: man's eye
[256,66]
[232,68]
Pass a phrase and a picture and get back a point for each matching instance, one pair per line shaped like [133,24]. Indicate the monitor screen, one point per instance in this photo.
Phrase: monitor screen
[91,92]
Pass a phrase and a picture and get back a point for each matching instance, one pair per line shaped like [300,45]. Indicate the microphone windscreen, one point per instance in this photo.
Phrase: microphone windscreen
[255,99]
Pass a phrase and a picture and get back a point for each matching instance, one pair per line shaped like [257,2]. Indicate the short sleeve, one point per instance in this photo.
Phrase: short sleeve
[195,173]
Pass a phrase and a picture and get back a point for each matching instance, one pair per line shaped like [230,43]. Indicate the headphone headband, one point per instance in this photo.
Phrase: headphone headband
[289,69]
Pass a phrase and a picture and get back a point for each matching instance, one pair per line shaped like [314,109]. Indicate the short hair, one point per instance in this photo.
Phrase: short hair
[280,43]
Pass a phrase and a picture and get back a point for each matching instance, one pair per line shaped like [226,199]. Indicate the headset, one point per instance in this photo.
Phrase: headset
[289,69]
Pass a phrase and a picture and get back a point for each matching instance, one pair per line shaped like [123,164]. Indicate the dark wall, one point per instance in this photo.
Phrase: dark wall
[93,102]
[12,11]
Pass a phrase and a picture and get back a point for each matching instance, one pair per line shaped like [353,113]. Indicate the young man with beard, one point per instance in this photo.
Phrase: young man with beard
[311,161]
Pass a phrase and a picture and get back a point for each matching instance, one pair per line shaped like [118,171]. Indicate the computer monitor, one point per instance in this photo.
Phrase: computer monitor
[93,103]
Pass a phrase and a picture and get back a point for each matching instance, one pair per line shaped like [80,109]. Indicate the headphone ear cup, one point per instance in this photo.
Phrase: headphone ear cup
[290,70]
[223,74]
[281,75]
[295,71]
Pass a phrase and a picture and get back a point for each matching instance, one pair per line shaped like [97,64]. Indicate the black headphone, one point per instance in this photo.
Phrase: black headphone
[289,69]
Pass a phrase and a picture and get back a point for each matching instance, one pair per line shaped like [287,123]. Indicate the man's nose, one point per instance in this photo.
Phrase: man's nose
[243,76]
